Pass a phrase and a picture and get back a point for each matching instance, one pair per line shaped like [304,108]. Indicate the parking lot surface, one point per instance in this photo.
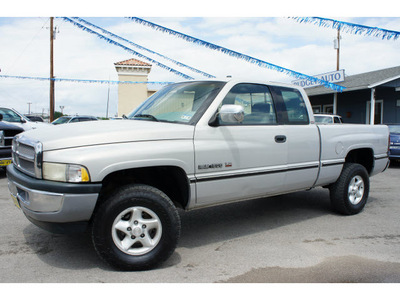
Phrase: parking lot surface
[290,238]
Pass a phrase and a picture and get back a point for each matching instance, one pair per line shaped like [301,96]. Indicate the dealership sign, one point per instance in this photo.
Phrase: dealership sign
[336,76]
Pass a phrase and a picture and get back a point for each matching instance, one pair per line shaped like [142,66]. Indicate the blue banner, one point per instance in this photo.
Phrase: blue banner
[253,60]
[350,27]
[110,41]
[85,80]
[143,48]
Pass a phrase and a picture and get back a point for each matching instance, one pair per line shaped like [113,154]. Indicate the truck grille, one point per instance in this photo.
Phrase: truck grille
[27,156]
[7,135]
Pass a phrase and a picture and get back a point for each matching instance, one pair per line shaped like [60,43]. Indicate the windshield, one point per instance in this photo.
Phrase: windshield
[10,116]
[394,129]
[61,120]
[178,103]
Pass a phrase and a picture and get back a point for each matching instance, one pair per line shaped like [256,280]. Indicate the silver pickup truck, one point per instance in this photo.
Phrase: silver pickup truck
[191,145]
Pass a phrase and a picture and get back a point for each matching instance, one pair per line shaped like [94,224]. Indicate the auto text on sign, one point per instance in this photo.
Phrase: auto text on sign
[336,76]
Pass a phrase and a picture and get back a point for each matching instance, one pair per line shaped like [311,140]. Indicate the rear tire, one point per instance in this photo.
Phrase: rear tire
[349,194]
[138,228]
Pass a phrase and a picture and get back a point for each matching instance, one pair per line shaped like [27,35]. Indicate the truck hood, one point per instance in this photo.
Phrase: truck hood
[107,132]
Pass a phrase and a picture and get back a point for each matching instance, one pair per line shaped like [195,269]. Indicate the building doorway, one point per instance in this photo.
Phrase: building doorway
[378,112]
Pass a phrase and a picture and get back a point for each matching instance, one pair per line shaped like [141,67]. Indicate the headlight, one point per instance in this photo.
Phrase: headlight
[65,172]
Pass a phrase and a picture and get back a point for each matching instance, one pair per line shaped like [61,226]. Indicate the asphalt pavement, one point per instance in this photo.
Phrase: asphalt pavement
[290,238]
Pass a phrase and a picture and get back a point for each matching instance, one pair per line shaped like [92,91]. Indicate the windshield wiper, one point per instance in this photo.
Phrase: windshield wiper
[146,116]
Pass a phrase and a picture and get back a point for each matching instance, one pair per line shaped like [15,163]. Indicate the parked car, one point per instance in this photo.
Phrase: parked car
[73,119]
[34,118]
[327,119]
[394,148]
[10,115]
[7,133]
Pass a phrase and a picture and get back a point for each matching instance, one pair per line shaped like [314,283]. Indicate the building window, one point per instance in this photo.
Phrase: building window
[328,109]
[316,109]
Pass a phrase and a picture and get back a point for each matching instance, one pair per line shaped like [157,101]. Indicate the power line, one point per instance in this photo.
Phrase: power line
[30,42]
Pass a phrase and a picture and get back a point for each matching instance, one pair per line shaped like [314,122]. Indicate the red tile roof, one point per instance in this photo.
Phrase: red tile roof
[132,62]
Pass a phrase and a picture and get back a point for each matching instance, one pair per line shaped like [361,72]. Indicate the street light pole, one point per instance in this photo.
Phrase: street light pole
[51,71]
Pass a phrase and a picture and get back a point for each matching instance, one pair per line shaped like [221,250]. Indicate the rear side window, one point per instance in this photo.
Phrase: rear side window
[292,105]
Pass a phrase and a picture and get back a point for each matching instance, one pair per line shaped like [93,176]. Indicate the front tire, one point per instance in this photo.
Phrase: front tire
[349,194]
[138,228]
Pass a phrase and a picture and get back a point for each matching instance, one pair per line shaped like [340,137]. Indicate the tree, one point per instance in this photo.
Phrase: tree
[57,114]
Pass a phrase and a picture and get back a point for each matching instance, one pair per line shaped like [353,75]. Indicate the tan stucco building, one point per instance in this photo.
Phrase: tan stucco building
[131,95]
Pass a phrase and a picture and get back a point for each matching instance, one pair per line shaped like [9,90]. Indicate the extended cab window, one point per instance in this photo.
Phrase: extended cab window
[292,105]
[256,101]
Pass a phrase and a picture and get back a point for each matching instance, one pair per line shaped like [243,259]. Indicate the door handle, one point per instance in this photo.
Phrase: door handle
[280,138]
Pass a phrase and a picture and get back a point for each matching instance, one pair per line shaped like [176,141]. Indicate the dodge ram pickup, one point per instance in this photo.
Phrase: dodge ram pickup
[191,145]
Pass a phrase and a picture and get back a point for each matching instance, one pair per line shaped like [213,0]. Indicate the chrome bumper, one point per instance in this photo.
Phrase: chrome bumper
[51,206]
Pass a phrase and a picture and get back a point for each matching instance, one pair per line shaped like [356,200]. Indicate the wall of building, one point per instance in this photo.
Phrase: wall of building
[131,95]
[352,106]
[391,110]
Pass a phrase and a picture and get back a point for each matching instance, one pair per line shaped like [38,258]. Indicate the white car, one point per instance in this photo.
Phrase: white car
[12,116]
[73,119]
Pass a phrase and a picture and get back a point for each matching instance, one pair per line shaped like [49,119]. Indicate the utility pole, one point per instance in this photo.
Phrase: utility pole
[337,47]
[51,71]
[29,107]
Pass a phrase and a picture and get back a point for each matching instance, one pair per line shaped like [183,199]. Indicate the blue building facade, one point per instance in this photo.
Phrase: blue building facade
[381,87]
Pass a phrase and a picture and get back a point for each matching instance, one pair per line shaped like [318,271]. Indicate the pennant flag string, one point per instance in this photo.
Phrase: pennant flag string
[350,27]
[110,41]
[253,60]
[80,20]
[86,80]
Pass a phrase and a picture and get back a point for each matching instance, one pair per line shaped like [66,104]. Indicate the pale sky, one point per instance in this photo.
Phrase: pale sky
[264,33]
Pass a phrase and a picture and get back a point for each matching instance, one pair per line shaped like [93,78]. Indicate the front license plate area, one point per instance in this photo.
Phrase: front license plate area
[5,162]
[16,202]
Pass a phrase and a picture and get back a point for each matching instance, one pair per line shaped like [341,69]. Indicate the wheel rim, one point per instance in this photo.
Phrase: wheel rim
[137,230]
[356,190]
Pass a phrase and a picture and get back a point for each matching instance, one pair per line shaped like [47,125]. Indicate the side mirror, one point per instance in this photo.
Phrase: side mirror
[1,117]
[232,113]
[229,114]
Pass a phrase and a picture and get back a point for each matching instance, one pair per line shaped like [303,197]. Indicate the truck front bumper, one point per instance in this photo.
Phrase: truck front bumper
[55,206]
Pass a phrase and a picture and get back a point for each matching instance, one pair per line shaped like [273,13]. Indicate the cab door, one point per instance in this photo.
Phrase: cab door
[302,138]
[241,160]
